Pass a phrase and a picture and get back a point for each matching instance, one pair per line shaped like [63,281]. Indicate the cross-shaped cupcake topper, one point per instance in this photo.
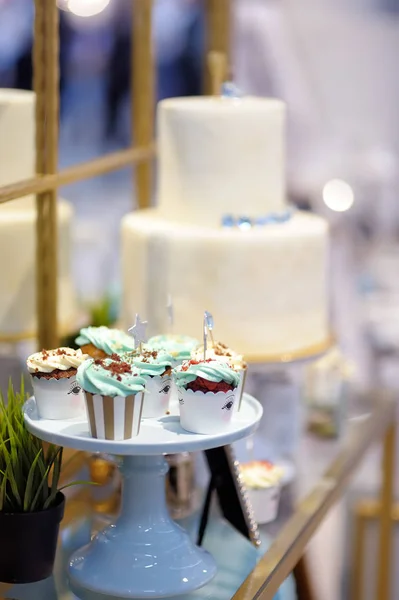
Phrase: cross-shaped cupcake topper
[138,332]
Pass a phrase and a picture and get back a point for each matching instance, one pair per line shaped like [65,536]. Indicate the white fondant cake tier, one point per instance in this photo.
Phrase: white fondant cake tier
[18,271]
[18,226]
[266,287]
[221,156]
[17,141]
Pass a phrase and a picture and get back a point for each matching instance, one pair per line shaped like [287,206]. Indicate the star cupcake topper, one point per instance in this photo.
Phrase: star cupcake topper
[138,332]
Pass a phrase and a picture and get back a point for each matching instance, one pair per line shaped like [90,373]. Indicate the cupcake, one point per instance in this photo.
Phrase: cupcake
[178,346]
[100,342]
[263,482]
[223,353]
[207,392]
[156,368]
[57,393]
[113,390]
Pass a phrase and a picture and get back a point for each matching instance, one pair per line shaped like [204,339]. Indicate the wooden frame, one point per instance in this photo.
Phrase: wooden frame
[48,179]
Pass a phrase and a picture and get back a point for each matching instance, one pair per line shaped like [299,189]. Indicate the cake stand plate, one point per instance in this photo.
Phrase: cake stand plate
[144,554]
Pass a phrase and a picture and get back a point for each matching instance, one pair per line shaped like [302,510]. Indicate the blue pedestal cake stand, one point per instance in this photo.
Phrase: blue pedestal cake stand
[144,554]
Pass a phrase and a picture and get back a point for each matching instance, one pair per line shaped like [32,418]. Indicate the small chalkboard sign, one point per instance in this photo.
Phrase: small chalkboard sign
[234,504]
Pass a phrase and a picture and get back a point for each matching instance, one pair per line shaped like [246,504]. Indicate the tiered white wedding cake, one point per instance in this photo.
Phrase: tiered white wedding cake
[17,226]
[223,237]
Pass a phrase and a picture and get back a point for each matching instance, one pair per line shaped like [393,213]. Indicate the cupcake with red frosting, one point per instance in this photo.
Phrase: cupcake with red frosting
[207,393]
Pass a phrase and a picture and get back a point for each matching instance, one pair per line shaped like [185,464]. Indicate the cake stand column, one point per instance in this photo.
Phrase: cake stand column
[144,554]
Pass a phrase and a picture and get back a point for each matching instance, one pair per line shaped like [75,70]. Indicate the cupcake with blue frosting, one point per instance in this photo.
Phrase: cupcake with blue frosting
[179,347]
[155,367]
[114,392]
[100,342]
[207,392]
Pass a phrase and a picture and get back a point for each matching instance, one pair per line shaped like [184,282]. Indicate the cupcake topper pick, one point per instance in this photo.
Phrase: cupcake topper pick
[138,332]
[210,325]
[171,314]
[205,336]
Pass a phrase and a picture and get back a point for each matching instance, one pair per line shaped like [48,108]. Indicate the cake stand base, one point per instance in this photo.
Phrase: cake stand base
[144,554]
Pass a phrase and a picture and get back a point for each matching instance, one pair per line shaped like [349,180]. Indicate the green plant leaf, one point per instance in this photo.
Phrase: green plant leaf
[29,476]
[43,485]
[10,475]
[3,486]
[29,482]
[72,483]
[56,478]
[43,478]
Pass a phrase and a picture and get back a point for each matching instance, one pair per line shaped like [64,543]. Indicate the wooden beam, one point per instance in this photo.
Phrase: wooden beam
[218,18]
[46,76]
[93,168]
[384,554]
[143,95]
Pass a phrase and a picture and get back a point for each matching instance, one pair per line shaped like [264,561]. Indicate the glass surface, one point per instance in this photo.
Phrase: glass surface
[319,471]
[324,469]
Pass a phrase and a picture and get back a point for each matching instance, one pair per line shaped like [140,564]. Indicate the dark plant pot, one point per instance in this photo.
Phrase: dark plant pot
[28,543]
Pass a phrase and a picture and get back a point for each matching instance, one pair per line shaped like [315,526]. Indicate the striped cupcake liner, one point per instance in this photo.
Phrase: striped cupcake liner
[114,417]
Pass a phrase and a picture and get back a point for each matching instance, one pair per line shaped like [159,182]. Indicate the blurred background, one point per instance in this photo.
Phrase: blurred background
[335,64]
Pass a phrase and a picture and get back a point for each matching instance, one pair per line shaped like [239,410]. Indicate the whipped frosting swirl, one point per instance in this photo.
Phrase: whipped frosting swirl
[150,362]
[211,370]
[222,353]
[109,378]
[260,474]
[178,346]
[60,359]
[110,341]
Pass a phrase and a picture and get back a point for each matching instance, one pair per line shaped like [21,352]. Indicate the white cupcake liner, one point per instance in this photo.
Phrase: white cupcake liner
[58,398]
[264,503]
[114,417]
[206,413]
[156,398]
[174,395]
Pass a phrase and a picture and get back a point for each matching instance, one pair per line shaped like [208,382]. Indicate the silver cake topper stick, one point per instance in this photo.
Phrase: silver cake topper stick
[171,313]
[210,325]
[138,332]
[205,333]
